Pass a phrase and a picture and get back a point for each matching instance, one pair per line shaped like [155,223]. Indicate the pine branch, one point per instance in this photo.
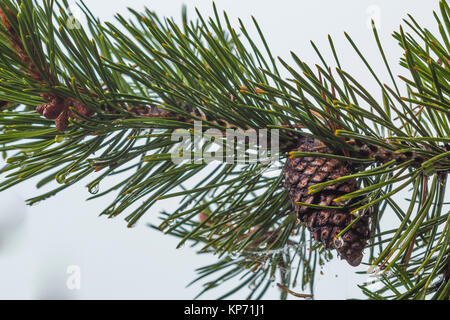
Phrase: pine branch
[117,94]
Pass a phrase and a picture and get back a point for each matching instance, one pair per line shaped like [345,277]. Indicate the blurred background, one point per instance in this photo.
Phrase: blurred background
[61,249]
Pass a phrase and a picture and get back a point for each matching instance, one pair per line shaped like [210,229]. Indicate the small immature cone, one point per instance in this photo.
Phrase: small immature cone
[79,107]
[325,224]
[53,109]
[40,108]
[62,121]
[58,109]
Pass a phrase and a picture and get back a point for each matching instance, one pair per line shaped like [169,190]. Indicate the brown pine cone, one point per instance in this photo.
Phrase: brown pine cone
[62,121]
[79,107]
[325,224]
[58,109]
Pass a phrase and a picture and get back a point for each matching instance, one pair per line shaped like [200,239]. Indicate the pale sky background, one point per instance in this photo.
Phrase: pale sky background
[39,243]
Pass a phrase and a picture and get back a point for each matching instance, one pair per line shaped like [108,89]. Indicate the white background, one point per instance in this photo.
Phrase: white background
[37,244]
